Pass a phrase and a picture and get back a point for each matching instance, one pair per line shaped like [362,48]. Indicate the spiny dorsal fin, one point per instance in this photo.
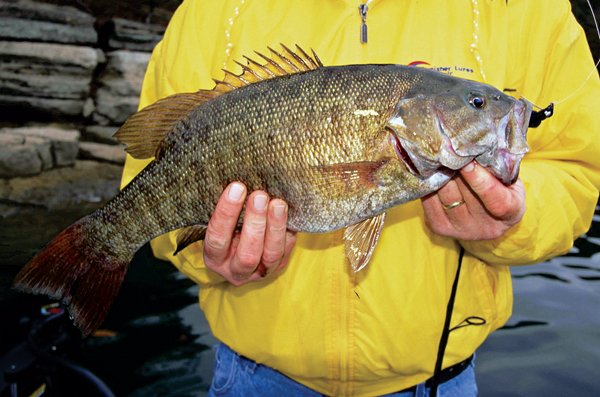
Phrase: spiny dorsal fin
[277,64]
[145,130]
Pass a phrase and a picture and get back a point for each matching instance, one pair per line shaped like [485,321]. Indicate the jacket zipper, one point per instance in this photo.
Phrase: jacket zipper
[363,9]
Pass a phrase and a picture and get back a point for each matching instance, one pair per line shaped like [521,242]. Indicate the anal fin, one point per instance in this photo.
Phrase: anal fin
[361,239]
[189,235]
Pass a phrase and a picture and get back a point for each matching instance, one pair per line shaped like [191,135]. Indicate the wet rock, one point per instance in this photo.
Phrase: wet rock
[131,35]
[46,77]
[22,155]
[88,108]
[101,134]
[100,152]
[120,84]
[20,107]
[7,139]
[46,70]
[113,109]
[64,144]
[85,182]
[33,21]
[124,72]
[19,160]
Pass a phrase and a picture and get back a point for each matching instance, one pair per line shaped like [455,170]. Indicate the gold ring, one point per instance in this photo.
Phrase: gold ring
[453,205]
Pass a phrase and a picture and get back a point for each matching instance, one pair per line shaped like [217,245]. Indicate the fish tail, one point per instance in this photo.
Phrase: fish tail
[84,275]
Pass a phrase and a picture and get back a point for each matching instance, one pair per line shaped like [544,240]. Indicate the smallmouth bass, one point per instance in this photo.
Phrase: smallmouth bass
[339,144]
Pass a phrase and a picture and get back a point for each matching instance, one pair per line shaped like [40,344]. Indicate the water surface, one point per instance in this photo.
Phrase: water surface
[158,343]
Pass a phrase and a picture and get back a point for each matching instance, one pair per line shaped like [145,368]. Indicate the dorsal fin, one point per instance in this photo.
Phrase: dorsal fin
[143,132]
[277,64]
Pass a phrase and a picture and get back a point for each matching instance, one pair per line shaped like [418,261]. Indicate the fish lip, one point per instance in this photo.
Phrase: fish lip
[505,160]
[524,115]
[521,111]
[503,155]
[520,123]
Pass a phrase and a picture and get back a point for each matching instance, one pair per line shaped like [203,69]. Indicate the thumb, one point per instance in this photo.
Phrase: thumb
[502,202]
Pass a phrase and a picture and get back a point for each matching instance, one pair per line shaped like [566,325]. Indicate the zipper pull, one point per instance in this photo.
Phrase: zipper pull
[363,9]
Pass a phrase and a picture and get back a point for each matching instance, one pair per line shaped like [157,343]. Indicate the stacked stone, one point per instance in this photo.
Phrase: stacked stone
[46,58]
[117,95]
[64,91]
[135,36]
[128,45]
[28,151]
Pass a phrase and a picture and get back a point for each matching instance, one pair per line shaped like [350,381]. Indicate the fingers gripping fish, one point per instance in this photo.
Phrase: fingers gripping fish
[340,144]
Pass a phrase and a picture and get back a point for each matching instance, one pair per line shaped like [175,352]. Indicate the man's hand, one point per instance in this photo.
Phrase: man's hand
[262,247]
[474,206]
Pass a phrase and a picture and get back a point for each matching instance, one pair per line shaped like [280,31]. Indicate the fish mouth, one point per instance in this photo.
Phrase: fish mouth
[404,155]
[504,160]
[500,152]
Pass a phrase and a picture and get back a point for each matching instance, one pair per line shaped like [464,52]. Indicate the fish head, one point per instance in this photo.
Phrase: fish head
[459,121]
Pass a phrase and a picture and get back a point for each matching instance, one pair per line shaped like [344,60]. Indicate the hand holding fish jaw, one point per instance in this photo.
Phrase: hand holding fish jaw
[262,247]
[490,208]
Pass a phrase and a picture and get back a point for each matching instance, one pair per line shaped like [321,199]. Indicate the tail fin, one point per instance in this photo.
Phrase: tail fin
[74,269]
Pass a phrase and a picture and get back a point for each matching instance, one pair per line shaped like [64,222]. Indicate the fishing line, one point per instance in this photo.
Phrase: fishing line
[583,83]
[538,116]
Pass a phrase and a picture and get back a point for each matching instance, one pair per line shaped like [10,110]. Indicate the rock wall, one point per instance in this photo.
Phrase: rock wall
[67,82]
[118,86]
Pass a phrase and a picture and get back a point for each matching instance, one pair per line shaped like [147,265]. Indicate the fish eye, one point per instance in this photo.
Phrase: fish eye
[477,101]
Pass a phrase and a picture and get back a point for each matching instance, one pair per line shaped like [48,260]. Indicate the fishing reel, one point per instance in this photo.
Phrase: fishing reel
[537,117]
[39,366]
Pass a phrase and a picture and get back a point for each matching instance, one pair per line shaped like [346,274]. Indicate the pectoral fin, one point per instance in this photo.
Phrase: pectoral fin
[189,235]
[360,241]
[350,176]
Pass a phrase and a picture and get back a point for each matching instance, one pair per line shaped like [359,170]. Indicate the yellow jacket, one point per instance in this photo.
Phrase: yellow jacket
[377,331]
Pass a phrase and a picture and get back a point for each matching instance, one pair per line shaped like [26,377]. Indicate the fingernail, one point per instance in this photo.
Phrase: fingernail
[235,192]
[279,210]
[260,202]
[469,167]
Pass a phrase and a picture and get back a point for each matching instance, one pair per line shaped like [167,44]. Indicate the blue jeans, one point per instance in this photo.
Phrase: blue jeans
[237,376]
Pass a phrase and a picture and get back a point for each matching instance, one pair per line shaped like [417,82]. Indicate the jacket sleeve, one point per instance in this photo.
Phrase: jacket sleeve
[180,63]
[561,172]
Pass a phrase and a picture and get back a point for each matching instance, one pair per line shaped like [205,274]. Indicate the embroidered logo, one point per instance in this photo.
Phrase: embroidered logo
[449,69]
